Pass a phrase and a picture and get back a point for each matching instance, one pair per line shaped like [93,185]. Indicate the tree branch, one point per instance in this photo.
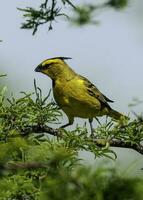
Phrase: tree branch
[41,129]
[98,141]
[120,143]
[22,165]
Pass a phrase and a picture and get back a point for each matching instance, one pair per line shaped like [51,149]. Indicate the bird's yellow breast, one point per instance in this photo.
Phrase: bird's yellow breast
[74,100]
[60,94]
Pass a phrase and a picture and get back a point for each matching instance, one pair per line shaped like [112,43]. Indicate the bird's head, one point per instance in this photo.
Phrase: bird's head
[53,67]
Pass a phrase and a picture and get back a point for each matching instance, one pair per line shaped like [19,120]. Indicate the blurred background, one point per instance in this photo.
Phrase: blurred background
[109,54]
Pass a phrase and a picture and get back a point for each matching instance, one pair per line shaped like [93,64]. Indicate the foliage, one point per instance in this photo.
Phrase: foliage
[49,11]
[20,113]
[27,116]
[56,173]
[34,166]
[41,168]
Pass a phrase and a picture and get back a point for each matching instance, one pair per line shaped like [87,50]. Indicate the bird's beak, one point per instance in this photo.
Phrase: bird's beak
[38,68]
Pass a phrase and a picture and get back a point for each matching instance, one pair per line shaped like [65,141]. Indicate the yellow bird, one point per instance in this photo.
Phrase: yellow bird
[75,94]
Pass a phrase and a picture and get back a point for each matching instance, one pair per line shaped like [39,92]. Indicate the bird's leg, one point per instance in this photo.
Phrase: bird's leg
[98,121]
[71,120]
[91,127]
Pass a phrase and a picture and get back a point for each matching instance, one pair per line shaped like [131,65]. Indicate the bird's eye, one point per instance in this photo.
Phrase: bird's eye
[46,66]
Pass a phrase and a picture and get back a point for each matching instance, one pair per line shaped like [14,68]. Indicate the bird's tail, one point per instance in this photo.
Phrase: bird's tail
[116,115]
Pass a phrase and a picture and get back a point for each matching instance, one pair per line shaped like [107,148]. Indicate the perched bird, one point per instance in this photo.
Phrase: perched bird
[75,94]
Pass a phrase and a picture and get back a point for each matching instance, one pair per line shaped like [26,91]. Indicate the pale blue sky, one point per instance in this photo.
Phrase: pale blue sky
[110,54]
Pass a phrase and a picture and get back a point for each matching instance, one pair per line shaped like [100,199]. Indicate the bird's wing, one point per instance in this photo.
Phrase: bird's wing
[94,92]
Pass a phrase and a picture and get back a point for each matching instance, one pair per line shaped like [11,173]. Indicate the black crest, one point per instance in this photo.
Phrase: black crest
[62,58]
